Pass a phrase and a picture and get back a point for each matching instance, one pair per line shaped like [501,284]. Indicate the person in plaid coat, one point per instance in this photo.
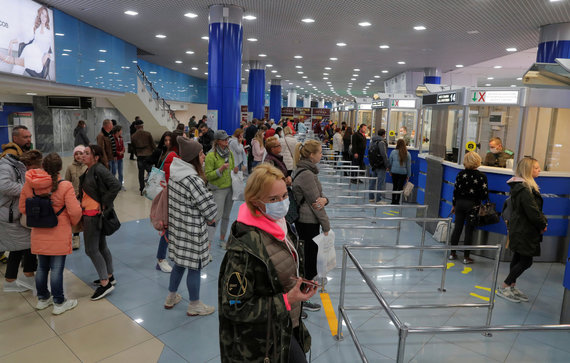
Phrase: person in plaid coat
[191,207]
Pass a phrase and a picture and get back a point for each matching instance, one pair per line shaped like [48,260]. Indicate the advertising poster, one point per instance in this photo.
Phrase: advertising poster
[26,39]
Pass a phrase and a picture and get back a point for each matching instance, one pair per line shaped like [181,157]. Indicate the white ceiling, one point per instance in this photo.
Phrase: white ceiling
[467,32]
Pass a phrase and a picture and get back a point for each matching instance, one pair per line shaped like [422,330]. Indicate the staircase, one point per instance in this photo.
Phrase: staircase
[156,113]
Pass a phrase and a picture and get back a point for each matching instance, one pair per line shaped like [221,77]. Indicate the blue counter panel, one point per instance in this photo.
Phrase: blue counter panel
[554,185]
[422,180]
[444,209]
[421,196]
[449,173]
[556,206]
[498,182]
[447,192]
[423,165]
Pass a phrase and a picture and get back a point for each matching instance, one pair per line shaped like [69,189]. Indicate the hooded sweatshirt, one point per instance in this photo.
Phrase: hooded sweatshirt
[54,241]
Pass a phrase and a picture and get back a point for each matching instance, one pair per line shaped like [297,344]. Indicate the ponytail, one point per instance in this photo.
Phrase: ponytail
[303,151]
[52,165]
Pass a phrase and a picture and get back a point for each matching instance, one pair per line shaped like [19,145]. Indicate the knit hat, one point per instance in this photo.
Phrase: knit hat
[79,148]
[221,135]
[188,148]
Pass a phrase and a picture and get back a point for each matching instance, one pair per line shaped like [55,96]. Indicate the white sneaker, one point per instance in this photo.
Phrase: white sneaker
[163,266]
[171,300]
[518,293]
[14,287]
[507,294]
[42,304]
[29,282]
[223,245]
[62,308]
[199,308]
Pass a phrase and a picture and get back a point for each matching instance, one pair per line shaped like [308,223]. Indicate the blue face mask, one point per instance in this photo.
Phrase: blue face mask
[277,210]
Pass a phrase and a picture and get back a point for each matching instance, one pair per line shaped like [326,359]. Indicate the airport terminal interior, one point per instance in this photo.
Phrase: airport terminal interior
[448,81]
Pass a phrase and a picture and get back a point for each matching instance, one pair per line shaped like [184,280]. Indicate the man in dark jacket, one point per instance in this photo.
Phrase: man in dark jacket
[249,135]
[206,136]
[378,157]
[359,148]
[144,145]
[107,142]
[192,123]
[132,130]
[497,156]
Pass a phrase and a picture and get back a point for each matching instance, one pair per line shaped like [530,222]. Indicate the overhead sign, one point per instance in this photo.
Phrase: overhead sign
[494,97]
[302,111]
[364,106]
[378,104]
[447,98]
[403,103]
[287,111]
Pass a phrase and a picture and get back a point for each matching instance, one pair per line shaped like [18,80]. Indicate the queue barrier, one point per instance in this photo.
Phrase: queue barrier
[403,329]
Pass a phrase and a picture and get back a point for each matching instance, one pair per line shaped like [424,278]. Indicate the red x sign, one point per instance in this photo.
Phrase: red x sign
[481,96]
[396,103]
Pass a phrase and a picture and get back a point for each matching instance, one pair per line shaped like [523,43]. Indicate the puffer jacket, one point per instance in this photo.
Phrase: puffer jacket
[73,172]
[54,241]
[527,220]
[13,237]
[250,296]
[100,184]
[307,188]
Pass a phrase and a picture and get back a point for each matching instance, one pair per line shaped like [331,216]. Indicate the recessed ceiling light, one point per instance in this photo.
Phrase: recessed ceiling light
[555,1]
[325,74]
[356,69]
[299,67]
[341,44]
[511,49]
[376,76]
[206,62]
[298,57]
[325,78]
[519,79]
[513,85]
[459,65]
[206,73]
[278,76]
[487,85]
[250,17]
[262,55]
[364,23]
[194,68]
[372,81]
[252,39]
[498,67]
[304,77]
[189,52]
[31,94]
[103,50]
[300,72]
[274,71]
[161,36]
[308,82]
[178,61]
[355,75]
[131,12]
[384,46]
[152,72]
[59,34]
[328,68]
[490,78]
[473,32]
[401,62]
[191,15]
[308,20]
[353,79]
[384,71]
[205,37]
[333,58]
[420,27]
[269,65]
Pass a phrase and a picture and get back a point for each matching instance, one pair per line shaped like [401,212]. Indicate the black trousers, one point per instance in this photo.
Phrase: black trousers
[30,263]
[296,354]
[359,161]
[519,264]
[308,231]
[462,209]
[143,165]
[398,181]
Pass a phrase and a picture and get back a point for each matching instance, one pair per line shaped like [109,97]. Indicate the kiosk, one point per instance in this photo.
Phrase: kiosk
[530,121]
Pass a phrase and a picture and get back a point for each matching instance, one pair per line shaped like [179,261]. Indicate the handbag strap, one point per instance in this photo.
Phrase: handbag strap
[163,160]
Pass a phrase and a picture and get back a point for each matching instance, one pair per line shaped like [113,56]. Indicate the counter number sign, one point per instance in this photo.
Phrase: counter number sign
[392,133]
[470,146]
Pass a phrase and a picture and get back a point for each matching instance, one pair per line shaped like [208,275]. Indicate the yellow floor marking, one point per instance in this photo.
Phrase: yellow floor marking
[450,265]
[466,270]
[393,211]
[483,288]
[329,312]
[390,214]
[479,296]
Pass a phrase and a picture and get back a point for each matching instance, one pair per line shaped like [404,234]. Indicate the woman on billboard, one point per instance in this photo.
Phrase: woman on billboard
[34,57]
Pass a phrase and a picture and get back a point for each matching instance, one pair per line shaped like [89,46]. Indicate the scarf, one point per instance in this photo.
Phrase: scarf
[224,153]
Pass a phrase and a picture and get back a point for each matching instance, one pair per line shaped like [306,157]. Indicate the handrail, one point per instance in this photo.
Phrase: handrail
[162,102]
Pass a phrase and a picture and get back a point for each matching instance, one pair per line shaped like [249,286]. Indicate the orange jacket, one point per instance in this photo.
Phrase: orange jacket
[54,241]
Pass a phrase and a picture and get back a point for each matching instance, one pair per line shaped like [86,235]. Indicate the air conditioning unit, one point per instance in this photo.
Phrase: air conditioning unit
[70,102]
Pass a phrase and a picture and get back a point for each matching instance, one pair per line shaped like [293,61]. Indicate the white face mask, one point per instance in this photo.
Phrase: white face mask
[494,150]
[277,210]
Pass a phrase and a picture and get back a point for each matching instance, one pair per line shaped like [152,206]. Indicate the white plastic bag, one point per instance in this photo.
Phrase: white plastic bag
[408,189]
[155,183]
[440,233]
[326,257]
[238,185]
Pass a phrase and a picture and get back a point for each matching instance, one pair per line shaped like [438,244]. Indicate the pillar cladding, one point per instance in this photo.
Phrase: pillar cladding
[275,100]
[292,98]
[224,64]
[554,42]
[432,76]
[256,89]
[307,101]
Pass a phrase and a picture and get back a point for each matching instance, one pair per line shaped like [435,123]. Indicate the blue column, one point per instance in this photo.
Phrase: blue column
[554,42]
[275,100]
[224,64]
[256,89]
[432,76]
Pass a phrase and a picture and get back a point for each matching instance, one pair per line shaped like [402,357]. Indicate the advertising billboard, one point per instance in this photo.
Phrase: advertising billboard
[26,39]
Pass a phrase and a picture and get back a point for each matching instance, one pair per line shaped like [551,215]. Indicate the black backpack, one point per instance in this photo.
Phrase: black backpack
[40,213]
[293,213]
[374,156]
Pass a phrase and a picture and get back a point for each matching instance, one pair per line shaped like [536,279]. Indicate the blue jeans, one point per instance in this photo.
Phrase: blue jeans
[56,264]
[162,246]
[378,184]
[192,281]
[117,167]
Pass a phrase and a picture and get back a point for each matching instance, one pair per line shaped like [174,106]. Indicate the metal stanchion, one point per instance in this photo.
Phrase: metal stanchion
[341,298]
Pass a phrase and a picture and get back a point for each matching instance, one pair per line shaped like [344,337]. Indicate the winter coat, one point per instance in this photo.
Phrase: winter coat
[143,143]
[338,144]
[216,179]
[119,147]
[239,153]
[12,149]
[73,172]
[250,294]
[527,220]
[394,164]
[276,161]
[383,162]
[13,236]
[288,144]
[498,160]
[80,136]
[358,143]
[190,207]
[54,241]
[307,188]
[99,184]
[105,143]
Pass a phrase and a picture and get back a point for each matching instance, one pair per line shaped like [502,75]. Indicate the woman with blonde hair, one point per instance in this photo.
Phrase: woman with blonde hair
[526,225]
[257,147]
[288,143]
[470,190]
[311,200]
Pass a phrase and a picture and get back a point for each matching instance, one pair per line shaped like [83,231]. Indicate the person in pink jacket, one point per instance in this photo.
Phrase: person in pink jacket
[52,245]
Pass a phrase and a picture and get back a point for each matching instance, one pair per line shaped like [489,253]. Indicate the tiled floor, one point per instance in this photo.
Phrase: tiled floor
[132,325]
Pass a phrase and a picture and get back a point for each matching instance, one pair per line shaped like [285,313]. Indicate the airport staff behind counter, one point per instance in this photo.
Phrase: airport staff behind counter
[497,156]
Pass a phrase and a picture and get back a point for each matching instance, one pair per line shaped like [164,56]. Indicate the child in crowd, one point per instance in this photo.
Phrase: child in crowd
[72,174]
[52,245]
